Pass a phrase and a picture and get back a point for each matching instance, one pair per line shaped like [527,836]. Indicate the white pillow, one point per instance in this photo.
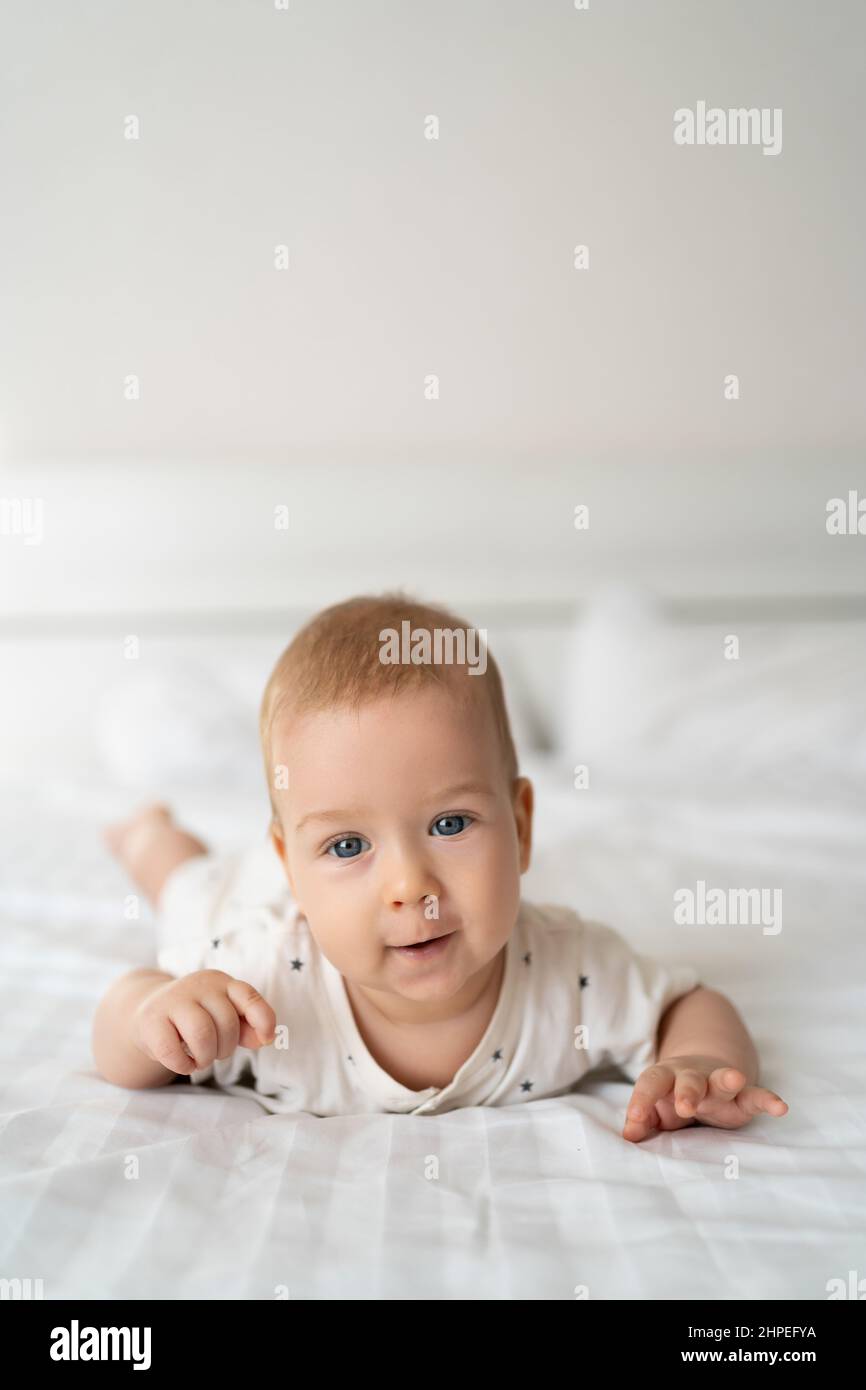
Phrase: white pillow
[178,722]
[655,705]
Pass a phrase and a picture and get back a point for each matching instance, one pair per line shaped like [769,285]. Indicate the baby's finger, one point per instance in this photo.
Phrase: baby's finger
[641,1114]
[651,1085]
[634,1130]
[198,1031]
[228,1024]
[689,1090]
[165,1045]
[256,1010]
[757,1100]
[725,1083]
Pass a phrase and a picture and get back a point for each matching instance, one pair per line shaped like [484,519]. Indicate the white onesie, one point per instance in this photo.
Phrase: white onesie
[574,996]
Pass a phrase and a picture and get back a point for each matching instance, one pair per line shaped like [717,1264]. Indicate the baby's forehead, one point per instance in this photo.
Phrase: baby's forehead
[449,707]
[377,743]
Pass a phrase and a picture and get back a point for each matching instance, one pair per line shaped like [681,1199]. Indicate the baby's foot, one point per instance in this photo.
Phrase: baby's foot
[129,839]
[150,847]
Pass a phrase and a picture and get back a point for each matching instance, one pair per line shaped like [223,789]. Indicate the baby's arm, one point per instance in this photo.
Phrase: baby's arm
[705,1069]
[151,1027]
[705,1023]
[117,1057]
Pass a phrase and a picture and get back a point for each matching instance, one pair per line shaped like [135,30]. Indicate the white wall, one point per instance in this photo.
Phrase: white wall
[410,256]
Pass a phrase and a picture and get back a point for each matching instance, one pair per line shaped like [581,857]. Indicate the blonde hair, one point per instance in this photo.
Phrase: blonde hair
[335,661]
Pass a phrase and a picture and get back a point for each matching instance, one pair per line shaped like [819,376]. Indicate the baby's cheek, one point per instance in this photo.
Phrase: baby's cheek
[503,876]
[494,895]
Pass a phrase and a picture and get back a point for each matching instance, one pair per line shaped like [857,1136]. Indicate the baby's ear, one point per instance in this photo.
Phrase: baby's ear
[524,800]
[276,836]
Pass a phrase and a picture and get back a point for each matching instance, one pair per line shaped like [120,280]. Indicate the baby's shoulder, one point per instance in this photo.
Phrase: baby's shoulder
[563,928]
[266,930]
[549,937]
[255,925]
[550,919]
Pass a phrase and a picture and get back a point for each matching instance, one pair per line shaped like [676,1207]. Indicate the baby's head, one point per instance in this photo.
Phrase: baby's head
[398,811]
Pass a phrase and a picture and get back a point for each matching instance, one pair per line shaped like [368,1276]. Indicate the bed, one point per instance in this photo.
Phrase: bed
[698,772]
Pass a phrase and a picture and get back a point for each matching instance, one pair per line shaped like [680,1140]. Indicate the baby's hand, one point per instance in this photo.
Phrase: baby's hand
[682,1091]
[189,1022]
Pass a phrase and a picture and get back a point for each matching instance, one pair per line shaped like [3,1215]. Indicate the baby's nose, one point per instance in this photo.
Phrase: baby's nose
[408,881]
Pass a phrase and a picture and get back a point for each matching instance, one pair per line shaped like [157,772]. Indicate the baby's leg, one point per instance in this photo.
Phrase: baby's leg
[149,845]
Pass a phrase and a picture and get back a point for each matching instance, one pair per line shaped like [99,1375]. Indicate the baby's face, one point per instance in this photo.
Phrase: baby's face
[392,814]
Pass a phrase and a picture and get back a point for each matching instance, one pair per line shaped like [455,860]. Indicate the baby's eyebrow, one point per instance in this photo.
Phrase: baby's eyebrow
[462,789]
[324,815]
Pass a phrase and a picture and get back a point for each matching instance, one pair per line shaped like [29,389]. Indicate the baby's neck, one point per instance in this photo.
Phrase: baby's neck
[421,1052]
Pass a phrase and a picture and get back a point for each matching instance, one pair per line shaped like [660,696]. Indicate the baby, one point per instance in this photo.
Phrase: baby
[374,953]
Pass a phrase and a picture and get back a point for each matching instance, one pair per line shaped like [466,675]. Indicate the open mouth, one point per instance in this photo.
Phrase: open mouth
[424,949]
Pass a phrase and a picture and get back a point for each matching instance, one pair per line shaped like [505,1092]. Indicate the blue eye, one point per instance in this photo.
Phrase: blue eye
[453,824]
[344,846]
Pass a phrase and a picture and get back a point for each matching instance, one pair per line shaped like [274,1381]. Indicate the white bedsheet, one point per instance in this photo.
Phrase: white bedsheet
[530,1202]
